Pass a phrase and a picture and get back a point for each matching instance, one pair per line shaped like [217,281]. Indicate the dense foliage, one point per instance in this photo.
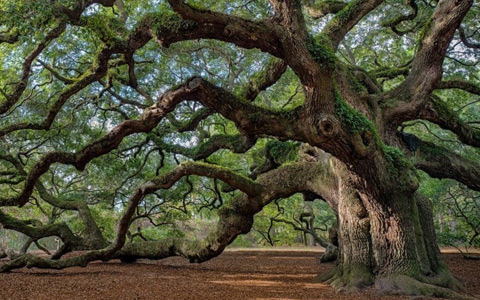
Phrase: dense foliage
[154,128]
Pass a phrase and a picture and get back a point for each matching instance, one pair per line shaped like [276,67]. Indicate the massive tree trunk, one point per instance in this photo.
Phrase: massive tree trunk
[387,241]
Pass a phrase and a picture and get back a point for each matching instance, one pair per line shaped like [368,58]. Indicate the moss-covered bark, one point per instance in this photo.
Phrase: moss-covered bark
[387,242]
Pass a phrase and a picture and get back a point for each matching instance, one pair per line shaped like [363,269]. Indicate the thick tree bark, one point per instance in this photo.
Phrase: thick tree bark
[387,242]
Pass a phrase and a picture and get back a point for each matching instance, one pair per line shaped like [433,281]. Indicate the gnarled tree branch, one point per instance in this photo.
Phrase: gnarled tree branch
[347,18]
[437,113]
[410,97]
[319,9]
[433,159]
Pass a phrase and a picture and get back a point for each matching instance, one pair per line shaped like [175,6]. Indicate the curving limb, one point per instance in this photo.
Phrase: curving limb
[166,28]
[465,40]
[94,238]
[433,159]
[249,117]
[274,69]
[437,113]
[459,84]
[14,96]
[107,143]
[413,94]
[245,114]
[30,260]
[234,143]
[393,23]
[347,18]
[320,9]
[85,80]
[235,217]
[259,82]
[73,16]
[39,231]
[201,23]
[192,123]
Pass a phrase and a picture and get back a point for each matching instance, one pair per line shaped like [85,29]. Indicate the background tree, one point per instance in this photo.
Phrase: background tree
[115,113]
[456,214]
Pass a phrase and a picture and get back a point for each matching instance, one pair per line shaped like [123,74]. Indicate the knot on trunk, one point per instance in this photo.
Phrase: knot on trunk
[194,83]
[328,125]
[232,30]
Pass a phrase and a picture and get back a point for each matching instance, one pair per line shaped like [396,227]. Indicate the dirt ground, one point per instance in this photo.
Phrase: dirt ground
[233,275]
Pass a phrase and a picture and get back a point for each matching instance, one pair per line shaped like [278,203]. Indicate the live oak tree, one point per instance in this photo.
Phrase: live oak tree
[124,107]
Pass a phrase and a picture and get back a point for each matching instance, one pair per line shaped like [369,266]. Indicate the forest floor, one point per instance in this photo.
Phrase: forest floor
[238,274]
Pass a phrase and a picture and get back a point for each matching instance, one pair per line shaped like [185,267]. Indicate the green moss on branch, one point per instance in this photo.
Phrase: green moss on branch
[283,152]
[355,121]
[167,22]
[321,52]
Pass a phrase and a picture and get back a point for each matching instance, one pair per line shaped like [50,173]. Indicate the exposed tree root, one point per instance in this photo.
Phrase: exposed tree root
[443,285]
[443,278]
[466,255]
[324,277]
[352,280]
[29,260]
[331,254]
[405,285]
[471,257]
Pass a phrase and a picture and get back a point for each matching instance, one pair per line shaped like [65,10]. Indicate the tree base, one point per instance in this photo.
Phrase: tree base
[331,254]
[409,286]
[443,285]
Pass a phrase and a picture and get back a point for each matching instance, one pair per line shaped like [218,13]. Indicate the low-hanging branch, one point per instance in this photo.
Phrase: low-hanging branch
[38,231]
[95,238]
[235,217]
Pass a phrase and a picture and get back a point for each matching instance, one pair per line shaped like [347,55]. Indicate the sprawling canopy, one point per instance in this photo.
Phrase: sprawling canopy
[114,113]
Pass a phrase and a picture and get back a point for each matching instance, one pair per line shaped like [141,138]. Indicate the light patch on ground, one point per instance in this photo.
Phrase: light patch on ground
[247,282]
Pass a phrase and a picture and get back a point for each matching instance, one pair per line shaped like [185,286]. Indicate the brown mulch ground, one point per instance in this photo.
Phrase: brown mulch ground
[233,275]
